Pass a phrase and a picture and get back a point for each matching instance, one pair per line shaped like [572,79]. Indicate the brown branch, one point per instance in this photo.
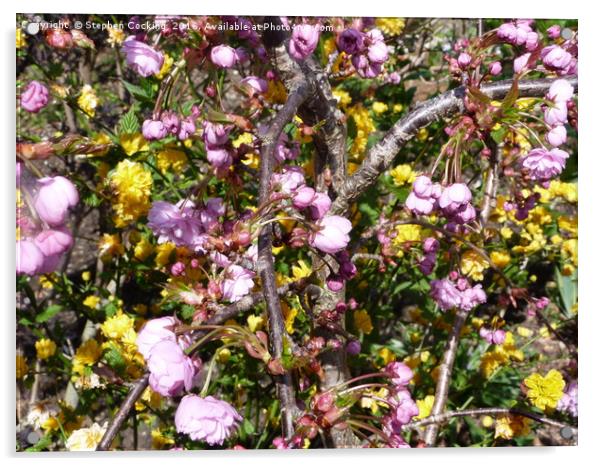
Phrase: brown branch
[491,185]
[445,373]
[444,417]
[381,156]
[265,258]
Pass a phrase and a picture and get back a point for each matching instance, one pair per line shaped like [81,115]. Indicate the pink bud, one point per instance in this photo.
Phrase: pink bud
[55,196]
[223,56]
[495,68]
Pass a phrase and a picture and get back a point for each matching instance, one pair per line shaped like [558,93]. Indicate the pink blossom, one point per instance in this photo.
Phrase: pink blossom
[145,60]
[521,64]
[29,257]
[472,297]
[507,32]
[56,241]
[170,121]
[403,410]
[320,204]
[430,245]
[554,31]
[187,128]
[492,336]
[238,283]
[333,234]
[289,180]
[154,331]
[218,157]
[207,419]
[464,59]
[215,134]
[569,401]
[351,41]
[170,369]
[560,91]
[419,205]
[304,40]
[179,223]
[258,85]
[544,165]
[400,373]
[455,197]
[54,198]
[556,58]
[303,197]
[495,68]
[445,294]
[34,97]
[556,115]
[556,136]
[153,130]
[223,56]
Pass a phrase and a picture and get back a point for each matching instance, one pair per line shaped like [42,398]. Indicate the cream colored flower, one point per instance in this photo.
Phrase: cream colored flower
[86,439]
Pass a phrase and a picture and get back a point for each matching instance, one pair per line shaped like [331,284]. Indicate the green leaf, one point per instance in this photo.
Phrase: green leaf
[48,313]
[248,427]
[129,123]
[41,445]
[567,286]
[115,359]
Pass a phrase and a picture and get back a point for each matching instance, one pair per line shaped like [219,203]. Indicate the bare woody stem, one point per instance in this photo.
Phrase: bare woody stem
[381,156]
[445,374]
[265,259]
[139,385]
[444,417]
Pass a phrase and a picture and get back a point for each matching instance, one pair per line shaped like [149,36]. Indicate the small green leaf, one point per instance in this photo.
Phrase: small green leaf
[50,312]
[129,123]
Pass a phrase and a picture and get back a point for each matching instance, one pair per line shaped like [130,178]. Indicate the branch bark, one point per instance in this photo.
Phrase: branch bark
[444,417]
[445,373]
[381,156]
[265,260]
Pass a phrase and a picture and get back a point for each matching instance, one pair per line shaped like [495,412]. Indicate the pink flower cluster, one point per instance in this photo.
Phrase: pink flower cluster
[215,136]
[207,419]
[453,201]
[224,56]
[368,50]
[449,294]
[403,407]
[304,40]
[493,336]
[43,242]
[569,402]
[144,59]
[427,264]
[542,164]
[171,369]
[170,124]
[34,97]
[519,32]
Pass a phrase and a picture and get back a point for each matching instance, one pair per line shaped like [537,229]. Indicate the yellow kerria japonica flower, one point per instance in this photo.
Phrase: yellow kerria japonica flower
[21,366]
[21,40]
[86,439]
[45,348]
[143,249]
[117,326]
[87,354]
[88,100]
[116,36]
[403,174]
[91,301]
[510,426]
[391,26]
[364,128]
[362,321]
[255,322]
[133,142]
[425,406]
[379,107]
[171,159]
[132,184]
[545,391]
[473,265]
[167,64]
[500,258]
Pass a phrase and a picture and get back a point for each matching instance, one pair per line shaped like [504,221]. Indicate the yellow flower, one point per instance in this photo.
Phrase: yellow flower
[545,391]
[403,174]
[133,142]
[171,159]
[160,440]
[473,264]
[364,126]
[500,258]
[290,313]
[21,41]
[524,332]
[109,246]
[86,355]
[509,426]
[164,251]
[117,326]
[391,26]
[167,64]
[88,100]
[86,275]
[243,138]
[131,184]
[568,224]
[343,98]
[362,321]
[255,322]
[45,281]
[45,348]
[407,233]
[91,301]
[569,249]
[423,134]
[379,107]
[425,406]
[568,191]
[149,398]
[223,355]
[386,355]
[21,366]
[397,108]
[143,249]
[86,439]
[116,36]
[487,421]
[301,271]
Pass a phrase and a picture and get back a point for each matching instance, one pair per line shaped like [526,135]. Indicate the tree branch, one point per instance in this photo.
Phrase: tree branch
[444,417]
[265,261]
[381,156]
[445,373]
